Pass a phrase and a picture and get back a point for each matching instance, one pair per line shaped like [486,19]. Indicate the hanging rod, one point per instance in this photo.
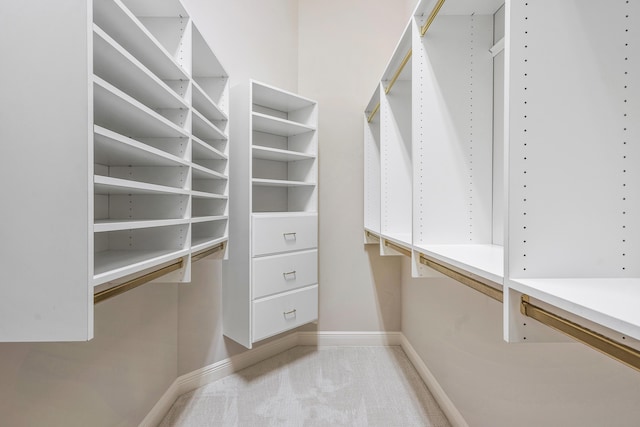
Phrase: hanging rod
[432,16]
[373,113]
[370,234]
[469,281]
[398,248]
[205,253]
[620,352]
[406,59]
[138,281]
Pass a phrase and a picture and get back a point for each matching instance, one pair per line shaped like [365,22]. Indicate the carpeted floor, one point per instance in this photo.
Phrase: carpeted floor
[311,386]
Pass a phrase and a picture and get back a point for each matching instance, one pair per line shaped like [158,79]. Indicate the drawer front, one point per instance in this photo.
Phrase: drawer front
[276,234]
[282,312]
[285,272]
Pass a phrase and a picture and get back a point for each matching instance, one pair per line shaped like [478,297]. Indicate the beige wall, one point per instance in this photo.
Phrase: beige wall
[458,334]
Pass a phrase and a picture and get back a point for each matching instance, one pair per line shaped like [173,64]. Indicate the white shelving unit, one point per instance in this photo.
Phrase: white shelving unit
[138,111]
[372,169]
[523,181]
[270,280]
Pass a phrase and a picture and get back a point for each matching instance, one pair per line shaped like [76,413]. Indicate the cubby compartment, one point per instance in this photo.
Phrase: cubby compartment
[372,166]
[395,144]
[124,252]
[208,231]
[270,197]
[458,212]
[277,109]
[573,194]
[205,207]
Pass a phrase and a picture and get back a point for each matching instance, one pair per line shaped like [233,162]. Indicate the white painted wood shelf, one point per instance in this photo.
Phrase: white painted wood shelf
[275,170]
[136,125]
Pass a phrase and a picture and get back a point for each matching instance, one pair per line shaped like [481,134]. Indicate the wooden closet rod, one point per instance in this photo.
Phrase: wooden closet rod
[398,248]
[146,278]
[618,351]
[474,284]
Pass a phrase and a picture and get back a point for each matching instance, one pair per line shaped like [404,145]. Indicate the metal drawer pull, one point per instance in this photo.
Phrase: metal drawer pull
[292,235]
[289,274]
[286,313]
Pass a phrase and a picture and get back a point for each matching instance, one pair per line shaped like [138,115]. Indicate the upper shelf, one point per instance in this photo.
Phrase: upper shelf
[108,185]
[276,126]
[486,261]
[118,21]
[101,226]
[203,151]
[205,105]
[278,99]
[204,129]
[268,153]
[281,183]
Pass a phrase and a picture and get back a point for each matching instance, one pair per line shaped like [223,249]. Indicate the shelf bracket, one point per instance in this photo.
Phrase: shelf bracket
[474,284]
[618,351]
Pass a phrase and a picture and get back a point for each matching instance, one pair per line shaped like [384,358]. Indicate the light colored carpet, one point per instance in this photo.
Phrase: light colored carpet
[310,386]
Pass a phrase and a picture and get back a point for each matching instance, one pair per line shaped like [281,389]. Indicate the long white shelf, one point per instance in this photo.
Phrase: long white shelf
[117,66]
[200,243]
[211,218]
[276,126]
[112,265]
[200,172]
[268,153]
[105,225]
[486,261]
[281,183]
[114,109]
[205,105]
[108,185]
[113,149]
[610,302]
[402,239]
[204,129]
[118,21]
[205,195]
[203,151]
[278,99]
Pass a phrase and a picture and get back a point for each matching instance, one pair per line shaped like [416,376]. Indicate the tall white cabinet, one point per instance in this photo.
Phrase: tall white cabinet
[501,152]
[271,277]
[123,110]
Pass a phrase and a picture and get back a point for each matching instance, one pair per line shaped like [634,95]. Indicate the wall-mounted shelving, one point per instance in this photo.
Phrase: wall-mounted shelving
[276,176]
[504,147]
[372,166]
[144,128]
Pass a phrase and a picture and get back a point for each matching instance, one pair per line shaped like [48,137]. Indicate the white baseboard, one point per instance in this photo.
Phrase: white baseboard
[447,406]
[223,368]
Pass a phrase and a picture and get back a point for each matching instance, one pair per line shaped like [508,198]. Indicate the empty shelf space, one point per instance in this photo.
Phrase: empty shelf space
[486,261]
[113,109]
[205,105]
[118,21]
[203,151]
[113,149]
[267,153]
[281,183]
[201,243]
[115,65]
[203,128]
[101,226]
[200,172]
[610,302]
[199,219]
[114,264]
[276,126]
[108,185]
[278,99]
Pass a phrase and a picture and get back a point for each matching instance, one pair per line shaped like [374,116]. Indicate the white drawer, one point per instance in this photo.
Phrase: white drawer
[285,272]
[281,312]
[274,234]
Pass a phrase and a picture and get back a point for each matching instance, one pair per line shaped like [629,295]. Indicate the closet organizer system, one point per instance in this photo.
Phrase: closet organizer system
[270,282]
[121,108]
[501,149]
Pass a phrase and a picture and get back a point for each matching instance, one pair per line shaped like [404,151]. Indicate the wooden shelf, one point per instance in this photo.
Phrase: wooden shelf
[108,185]
[276,126]
[610,302]
[205,105]
[118,21]
[118,111]
[267,153]
[113,149]
[117,66]
[112,265]
[101,226]
[204,129]
[281,183]
[486,261]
